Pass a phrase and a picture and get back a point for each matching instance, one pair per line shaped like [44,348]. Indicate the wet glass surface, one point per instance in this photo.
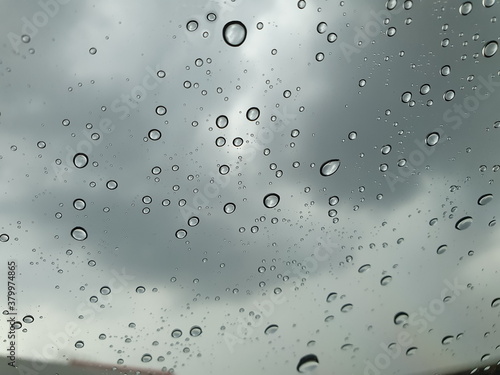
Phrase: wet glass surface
[275,187]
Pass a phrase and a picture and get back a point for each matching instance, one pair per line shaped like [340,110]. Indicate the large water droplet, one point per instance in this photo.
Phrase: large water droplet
[195,331]
[229,208]
[146,358]
[253,114]
[485,199]
[400,318]
[346,308]
[28,319]
[176,333]
[222,121]
[308,363]
[432,139]
[154,134]
[447,340]
[79,204]
[80,160]
[465,8]
[411,350]
[495,302]
[330,167]
[234,33]
[79,344]
[271,329]
[364,268]
[385,280]
[490,48]
[271,200]
[464,223]
[78,233]
[442,249]
[331,297]
[192,25]
[180,234]
[105,290]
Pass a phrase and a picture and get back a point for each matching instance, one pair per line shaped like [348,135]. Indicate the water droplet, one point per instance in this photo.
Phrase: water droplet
[192,25]
[234,33]
[432,139]
[176,333]
[320,56]
[193,221]
[80,160]
[330,167]
[442,249]
[424,89]
[364,268]
[220,141]
[180,234]
[485,199]
[331,297]
[229,208]
[253,114]
[307,363]
[25,38]
[386,149]
[400,318]
[78,233]
[385,280]
[445,70]
[105,290]
[222,121]
[464,223]
[154,134]
[465,8]
[495,302]
[490,48]
[79,204]
[224,169]
[140,289]
[160,110]
[332,201]
[237,142]
[301,4]
[411,350]
[488,3]
[79,344]
[4,237]
[321,28]
[111,184]
[41,144]
[271,200]
[332,37]
[93,51]
[146,358]
[447,340]
[346,308]
[449,95]
[271,329]
[28,319]
[195,331]
[161,74]
[406,97]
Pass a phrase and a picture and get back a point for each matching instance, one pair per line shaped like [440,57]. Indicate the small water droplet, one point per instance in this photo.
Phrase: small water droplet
[180,234]
[385,280]
[346,308]
[154,134]
[192,25]
[146,358]
[111,184]
[495,302]
[400,318]
[442,249]
[79,204]
[447,340]
[176,333]
[28,319]
[253,114]
[160,110]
